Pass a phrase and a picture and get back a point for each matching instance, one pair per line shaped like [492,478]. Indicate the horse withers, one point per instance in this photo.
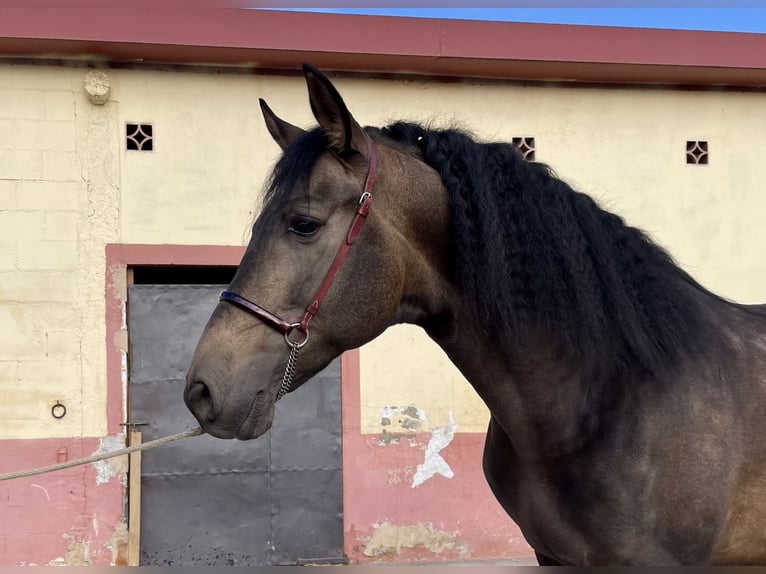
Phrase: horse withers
[627,402]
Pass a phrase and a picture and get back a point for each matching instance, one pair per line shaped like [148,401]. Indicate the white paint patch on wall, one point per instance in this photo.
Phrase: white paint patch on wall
[434,463]
[111,467]
[124,383]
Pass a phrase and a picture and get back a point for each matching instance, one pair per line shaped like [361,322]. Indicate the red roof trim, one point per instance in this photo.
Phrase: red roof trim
[275,39]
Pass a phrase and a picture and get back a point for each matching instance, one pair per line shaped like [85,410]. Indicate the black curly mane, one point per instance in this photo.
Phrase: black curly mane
[530,252]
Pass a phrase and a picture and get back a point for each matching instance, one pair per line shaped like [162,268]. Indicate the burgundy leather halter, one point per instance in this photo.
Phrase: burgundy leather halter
[286,327]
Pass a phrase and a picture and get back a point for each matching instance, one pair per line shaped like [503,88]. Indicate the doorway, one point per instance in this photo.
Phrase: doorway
[276,500]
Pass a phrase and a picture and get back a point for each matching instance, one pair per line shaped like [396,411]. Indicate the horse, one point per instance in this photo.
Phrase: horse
[627,402]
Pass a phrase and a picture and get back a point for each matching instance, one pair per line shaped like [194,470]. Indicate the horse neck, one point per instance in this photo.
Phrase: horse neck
[555,401]
[542,395]
[534,383]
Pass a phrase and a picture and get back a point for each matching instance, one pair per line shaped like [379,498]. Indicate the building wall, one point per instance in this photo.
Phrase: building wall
[59,198]
[69,187]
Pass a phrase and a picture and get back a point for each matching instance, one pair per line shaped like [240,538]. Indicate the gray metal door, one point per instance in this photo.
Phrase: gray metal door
[205,501]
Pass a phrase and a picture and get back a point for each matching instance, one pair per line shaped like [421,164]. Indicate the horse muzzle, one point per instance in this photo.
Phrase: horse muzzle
[222,416]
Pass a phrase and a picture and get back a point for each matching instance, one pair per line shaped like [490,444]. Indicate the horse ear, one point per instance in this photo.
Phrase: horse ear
[340,127]
[284,133]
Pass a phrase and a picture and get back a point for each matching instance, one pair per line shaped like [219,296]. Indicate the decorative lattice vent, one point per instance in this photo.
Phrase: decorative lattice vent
[697,152]
[526,146]
[139,137]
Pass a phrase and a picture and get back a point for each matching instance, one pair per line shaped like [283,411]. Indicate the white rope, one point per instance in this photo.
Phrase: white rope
[103,455]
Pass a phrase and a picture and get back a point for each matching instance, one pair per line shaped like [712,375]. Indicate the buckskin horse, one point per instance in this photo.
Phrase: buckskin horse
[627,402]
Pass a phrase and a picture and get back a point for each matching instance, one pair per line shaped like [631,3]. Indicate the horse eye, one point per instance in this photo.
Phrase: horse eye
[304,226]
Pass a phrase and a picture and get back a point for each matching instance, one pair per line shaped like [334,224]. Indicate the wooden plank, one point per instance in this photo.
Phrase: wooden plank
[134,502]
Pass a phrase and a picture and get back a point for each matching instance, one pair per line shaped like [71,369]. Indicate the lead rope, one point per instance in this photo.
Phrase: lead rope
[102,456]
[287,381]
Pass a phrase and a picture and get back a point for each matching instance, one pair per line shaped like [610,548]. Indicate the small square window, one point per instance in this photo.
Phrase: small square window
[526,146]
[139,137]
[697,152]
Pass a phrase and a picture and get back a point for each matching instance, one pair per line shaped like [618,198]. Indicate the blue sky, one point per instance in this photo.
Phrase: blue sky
[745,16]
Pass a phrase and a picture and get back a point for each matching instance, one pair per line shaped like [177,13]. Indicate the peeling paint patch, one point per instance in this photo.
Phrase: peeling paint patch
[124,315]
[408,418]
[118,544]
[124,383]
[391,538]
[124,368]
[111,467]
[77,554]
[434,463]
[415,412]
[395,438]
[400,476]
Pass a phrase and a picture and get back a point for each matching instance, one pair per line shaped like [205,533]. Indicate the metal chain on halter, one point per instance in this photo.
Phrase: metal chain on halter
[287,378]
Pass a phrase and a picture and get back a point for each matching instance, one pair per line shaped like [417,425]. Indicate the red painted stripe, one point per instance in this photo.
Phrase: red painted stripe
[166,32]
[350,392]
[377,489]
[45,516]
[600,44]
[378,485]
[147,254]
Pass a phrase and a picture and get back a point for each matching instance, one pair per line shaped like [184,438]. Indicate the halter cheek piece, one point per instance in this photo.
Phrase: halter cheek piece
[301,324]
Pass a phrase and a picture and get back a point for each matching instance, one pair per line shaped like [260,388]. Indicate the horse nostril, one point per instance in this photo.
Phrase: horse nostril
[199,400]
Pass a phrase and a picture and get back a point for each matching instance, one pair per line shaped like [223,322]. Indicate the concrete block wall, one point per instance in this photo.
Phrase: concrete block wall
[40,184]
[51,337]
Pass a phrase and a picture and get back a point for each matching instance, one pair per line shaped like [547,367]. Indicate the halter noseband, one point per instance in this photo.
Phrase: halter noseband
[302,323]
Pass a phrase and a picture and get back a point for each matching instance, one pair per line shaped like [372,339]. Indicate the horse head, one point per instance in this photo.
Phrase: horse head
[334,259]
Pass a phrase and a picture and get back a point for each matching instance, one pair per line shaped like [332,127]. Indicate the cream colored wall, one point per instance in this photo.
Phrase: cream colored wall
[54,222]
[68,186]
